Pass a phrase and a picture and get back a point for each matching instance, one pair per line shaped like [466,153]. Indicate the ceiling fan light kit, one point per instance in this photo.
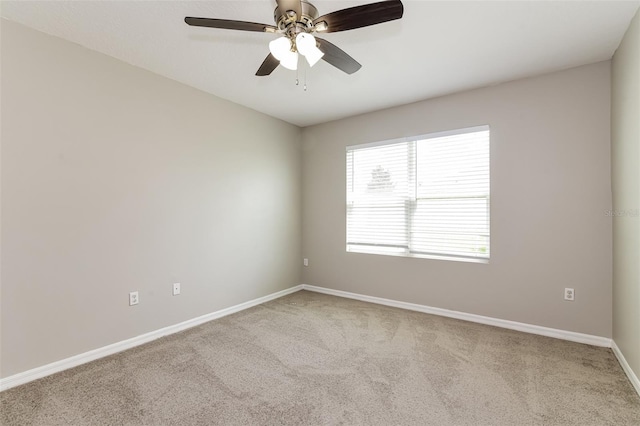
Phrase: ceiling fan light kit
[282,49]
[296,20]
[286,50]
[306,45]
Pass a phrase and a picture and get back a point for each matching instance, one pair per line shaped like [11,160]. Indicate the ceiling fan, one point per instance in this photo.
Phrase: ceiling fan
[296,20]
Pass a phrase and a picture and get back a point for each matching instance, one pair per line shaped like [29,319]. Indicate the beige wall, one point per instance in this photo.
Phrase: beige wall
[625,153]
[115,179]
[551,186]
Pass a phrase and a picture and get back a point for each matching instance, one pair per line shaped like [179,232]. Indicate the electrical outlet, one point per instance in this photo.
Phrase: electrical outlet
[133,298]
[569,294]
[305,262]
[176,289]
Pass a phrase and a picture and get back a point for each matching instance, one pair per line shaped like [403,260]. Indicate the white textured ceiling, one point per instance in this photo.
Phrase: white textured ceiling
[438,47]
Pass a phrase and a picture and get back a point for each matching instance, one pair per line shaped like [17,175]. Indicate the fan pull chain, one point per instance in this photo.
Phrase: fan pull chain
[304,74]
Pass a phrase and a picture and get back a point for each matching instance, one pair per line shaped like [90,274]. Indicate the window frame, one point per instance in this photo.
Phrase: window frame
[412,200]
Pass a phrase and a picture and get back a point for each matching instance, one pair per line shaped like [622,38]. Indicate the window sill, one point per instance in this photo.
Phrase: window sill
[368,250]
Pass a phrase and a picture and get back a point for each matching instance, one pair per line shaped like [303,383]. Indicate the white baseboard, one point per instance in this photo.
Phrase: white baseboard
[625,366]
[512,325]
[83,358]
[74,361]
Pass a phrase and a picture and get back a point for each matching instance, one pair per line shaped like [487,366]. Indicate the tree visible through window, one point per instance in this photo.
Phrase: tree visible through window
[426,196]
[380,180]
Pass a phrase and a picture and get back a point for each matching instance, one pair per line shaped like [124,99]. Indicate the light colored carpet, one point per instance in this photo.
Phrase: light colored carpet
[313,359]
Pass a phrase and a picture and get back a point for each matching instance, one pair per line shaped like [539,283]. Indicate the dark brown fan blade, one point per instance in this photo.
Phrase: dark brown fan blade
[228,24]
[284,5]
[361,16]
[270,63]
[337,57]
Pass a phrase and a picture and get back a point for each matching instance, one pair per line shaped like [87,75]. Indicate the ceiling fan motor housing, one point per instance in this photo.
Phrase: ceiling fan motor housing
[291,24]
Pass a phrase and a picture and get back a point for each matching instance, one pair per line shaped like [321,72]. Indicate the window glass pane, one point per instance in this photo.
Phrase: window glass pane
[377,187]
[378,224]
[379,172]
[451,227]
[453,166]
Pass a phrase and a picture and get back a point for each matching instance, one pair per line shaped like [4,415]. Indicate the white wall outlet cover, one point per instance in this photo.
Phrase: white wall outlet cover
[134,299]
[305,262]
[569,294]
[176,289]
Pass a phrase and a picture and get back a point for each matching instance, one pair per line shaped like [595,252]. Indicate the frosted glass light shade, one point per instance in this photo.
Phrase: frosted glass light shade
[290,60]
[306,44]
[280,48]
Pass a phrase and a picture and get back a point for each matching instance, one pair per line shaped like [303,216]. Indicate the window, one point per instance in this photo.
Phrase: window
[426,196]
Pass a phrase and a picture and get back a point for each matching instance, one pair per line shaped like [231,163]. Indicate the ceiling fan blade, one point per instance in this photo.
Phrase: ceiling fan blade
[270,63]
[228,24]
[360,16]
[337,57]
[284,5]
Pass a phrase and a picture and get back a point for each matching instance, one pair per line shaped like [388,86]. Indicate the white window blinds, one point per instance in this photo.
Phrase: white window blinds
[423,197]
